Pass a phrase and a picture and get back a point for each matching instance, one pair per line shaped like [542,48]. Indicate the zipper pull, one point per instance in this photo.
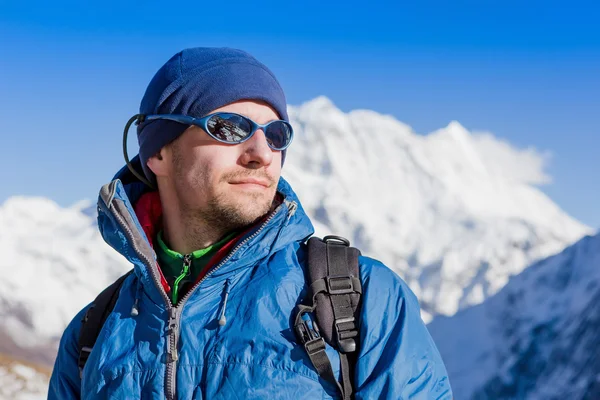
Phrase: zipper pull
[173,331]
[223,319]
[173,321]
[187,263]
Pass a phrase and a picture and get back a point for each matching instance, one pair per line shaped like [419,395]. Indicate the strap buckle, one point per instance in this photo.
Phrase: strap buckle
[340,284]
[346,331]
[304,331]
[308,334]
[315,346]
[83,356]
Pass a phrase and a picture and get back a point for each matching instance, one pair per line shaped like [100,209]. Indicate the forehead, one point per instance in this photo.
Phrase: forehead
[257,110]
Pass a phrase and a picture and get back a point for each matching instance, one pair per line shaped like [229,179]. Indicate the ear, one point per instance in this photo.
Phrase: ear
[158,163]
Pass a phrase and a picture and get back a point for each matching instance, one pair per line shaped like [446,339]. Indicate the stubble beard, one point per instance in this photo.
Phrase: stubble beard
[224,211]
[235,213]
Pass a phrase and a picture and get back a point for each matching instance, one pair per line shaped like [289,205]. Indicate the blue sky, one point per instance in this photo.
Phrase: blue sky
[71,73]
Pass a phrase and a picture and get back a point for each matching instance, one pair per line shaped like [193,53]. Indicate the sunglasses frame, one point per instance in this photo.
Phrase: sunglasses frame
[203,123]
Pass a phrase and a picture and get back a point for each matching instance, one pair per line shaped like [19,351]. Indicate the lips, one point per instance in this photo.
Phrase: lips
[252,181]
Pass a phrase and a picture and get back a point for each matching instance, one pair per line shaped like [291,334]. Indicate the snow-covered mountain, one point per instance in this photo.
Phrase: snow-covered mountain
[538,338]
[53,263]
[455,214]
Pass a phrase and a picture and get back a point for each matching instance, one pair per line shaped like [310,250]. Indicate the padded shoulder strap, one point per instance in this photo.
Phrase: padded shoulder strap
[335,289]
[94,319]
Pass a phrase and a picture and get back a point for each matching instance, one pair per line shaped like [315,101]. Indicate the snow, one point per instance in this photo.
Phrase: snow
[539,334]
[456,214]
[54,263]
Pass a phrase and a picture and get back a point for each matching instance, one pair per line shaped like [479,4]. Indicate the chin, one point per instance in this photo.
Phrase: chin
[254,206]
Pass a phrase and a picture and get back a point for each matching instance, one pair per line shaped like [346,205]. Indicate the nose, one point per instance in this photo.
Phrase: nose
[257,152]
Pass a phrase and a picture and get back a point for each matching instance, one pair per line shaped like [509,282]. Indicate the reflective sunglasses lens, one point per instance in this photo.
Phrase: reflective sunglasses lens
[279,134]
[230,128]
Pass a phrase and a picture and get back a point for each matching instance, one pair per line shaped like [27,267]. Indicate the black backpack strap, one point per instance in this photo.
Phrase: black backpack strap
[94,319]
[336,289]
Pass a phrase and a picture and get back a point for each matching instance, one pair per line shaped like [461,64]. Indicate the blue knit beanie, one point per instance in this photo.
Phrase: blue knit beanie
[195,82]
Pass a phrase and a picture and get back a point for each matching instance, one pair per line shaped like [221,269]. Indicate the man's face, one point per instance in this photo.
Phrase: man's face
[224,184]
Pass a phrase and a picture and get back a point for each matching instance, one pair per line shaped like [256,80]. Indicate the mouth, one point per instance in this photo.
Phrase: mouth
[251,182]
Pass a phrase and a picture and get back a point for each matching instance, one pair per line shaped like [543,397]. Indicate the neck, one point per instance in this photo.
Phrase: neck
[186,231]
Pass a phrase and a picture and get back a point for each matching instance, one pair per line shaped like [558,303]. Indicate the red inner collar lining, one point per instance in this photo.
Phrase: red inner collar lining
[149,212]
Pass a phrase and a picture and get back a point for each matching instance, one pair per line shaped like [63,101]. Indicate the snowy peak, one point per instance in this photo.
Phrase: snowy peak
[439,208]
[456,140]
[455,129]
[455,132]
[28,215]
[30,208]
[536,339]
[318,106]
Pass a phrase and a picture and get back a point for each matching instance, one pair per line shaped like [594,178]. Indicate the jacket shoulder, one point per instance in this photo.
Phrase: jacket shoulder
[377,276]
[65,382]
[398,358]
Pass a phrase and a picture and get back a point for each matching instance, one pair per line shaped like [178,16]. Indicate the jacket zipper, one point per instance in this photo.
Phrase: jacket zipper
[175,312]
[175,317]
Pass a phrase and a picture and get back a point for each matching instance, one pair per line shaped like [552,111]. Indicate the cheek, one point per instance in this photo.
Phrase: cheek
[207,166]
[189,166]
[275,167]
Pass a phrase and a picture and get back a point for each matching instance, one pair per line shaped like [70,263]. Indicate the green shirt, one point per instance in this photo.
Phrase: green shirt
[180,270]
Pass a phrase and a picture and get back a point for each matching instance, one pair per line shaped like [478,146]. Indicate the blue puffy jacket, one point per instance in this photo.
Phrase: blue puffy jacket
[183,353]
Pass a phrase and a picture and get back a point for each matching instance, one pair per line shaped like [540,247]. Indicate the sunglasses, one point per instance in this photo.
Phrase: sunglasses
[234,128]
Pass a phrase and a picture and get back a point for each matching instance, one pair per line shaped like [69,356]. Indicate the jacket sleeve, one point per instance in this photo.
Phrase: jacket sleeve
[65,383]
[398,358]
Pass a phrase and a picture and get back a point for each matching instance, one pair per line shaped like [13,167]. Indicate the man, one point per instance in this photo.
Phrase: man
[220,259]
